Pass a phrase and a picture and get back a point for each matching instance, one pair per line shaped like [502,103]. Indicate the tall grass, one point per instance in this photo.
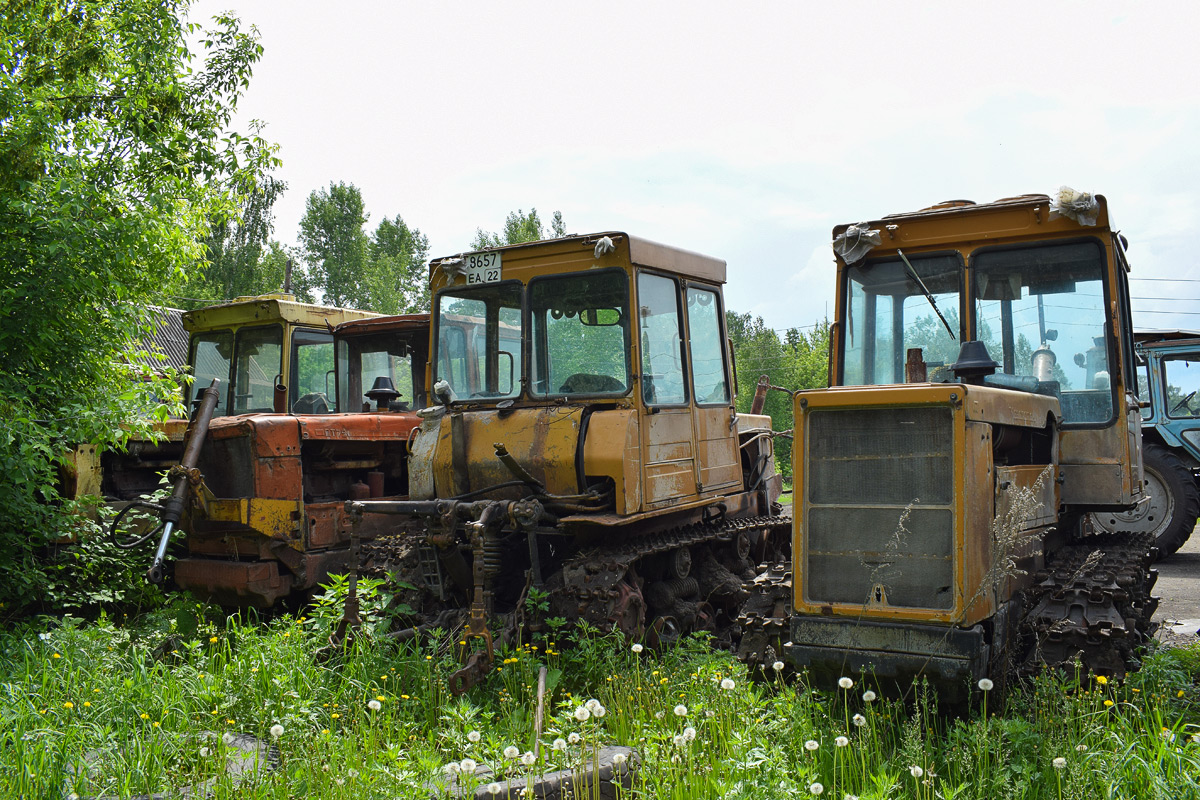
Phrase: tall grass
[102,709]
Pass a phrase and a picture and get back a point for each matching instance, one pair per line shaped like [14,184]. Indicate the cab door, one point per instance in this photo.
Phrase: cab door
[713,416]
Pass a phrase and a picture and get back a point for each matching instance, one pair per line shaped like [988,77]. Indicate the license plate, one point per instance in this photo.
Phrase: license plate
[482,268]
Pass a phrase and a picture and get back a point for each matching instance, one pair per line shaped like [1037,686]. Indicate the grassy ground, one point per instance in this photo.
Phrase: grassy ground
[379,721]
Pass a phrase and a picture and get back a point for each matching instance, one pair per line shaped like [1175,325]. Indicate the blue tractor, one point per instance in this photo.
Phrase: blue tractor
[1169,393]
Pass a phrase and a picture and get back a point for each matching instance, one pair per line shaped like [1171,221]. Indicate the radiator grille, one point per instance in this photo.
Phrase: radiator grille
[865,467]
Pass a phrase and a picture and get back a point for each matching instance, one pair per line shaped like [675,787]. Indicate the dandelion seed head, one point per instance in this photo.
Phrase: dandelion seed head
[915,771]
[619,758]
[986,685]
[559,745]
[474,737]
[859,720]
[679,740]
[276,731]
[574,738]
[494,789]
[227,737]
[583,714]
[816,788]
[811,745]
[709,714]
[727,684]
[374,705]
[841,741]
[637,647]
[869,696]
[845,683]
[527,758]
[599,711]
[1059,763]
[467,765]
[204,752]
[777,666]
[452,768]
[592,705]
[681,710]
[511,752]
[1081,747]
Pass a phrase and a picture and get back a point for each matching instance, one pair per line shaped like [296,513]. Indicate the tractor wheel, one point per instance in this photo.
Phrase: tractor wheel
[1171,508]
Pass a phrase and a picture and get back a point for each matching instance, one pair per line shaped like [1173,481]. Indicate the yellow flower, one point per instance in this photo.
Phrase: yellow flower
[95,691]
[1100,679]
[212,640]
[286,634]
[155,723]
[664,680]
[1108,703]
[335,715]
[403,697]
[144,716]
[429,658]
[1181,693]
[68,704]
[325,731]
[230,721]
[383,677]
[56,655]
[87,703]
[380,697]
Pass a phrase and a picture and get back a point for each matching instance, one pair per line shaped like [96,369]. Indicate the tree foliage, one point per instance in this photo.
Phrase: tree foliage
[799,360]
[397,282]
[114,152]
[520,227]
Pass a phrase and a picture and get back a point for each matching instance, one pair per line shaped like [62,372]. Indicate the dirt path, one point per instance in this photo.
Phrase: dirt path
[1179,587]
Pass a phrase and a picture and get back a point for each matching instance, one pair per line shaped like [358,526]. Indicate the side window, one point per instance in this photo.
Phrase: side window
[705,347]
[662,353]
[259,361]
[452,352]
[312,372]
[1181,374]
[1143,392]
[211,357]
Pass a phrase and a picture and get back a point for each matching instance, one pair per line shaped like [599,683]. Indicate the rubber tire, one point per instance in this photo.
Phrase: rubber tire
[1162,467]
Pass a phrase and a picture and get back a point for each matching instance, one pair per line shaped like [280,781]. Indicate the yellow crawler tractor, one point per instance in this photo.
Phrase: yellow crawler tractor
[982,401]
[583,446]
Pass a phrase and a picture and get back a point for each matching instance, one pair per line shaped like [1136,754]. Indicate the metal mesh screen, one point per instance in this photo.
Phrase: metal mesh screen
[865,467]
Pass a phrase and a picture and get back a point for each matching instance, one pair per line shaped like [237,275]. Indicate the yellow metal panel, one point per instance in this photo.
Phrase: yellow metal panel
[717,450]
[670,457]
[275,519]
[612,447]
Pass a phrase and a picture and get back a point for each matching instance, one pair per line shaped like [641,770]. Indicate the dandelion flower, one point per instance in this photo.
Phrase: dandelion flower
[144,715]
[592,705]
[1180,693]
[227,737]
[727,684]
[276,731]
[559,745]
[511,752]
[574,738]
[637,647]
[915,771]
[1059,763]
[845,683]
[986,685]
[494,789]
[68,704]
[777,666]
[452,768]
[335,715]
[374,705]
[582,714]
[679,740]
[816,788]
[841,741]
[869,696]
[474,737]
[204,752]
[681,710]
[467,765]
[527,758]
[859,720]
[811,745]
[1108,703]
[56,655]
[1102,680]
[618,759]
[212,640]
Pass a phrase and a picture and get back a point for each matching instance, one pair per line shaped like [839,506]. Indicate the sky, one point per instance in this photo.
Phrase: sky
[744,131]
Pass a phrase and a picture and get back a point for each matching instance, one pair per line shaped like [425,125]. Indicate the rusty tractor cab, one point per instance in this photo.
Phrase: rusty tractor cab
[271,354]
[982,400]
[583,441]
[268,519]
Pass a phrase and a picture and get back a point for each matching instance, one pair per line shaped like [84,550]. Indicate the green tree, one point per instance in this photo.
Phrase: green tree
[335,247]
[114,152]
[398,281]
[520,227]
[237,249]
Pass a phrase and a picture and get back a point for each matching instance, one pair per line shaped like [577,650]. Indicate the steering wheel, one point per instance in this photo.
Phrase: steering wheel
[1183,402]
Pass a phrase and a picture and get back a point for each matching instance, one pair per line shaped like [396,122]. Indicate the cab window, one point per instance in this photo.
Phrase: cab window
[662,346]
[706,347]
[312,372]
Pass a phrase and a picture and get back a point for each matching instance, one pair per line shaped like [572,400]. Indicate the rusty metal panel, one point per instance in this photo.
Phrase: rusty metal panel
[612,447]
[372,427]
[275,435]
[974,545]
[670,456]
[278,478]
[717,449]
[1009,407]
[234,583]
[422,460]
[1096,466]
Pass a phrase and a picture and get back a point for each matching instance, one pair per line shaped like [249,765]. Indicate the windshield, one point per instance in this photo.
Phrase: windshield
[363,360]
[479,341]
[312,372]
[580,334]
[888,313]
[1041,313]
[248,364]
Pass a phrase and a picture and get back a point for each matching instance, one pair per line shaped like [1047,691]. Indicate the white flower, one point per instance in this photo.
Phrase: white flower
[1081,747]
[689,733]
[679,740]
[227,737]
[374,705]
[986,685]
[1059,763]
[353,773]
[869,696]
[709,714]
[573,738]
[850,797]
[845,683]
[637,647]
[467,765]
[559,745]
[841,741]
[658,715]
[859,720]
[811,745]
[618,759]
[276,731]
[45,636]
[592,705]
[915,771]
[777,666]
[599,711]
[527,758]
[681,710]
[474,737]
[451,768]
[511,752]
[582,714]
[816,788]
[494,788]
[727,684]
[204,751]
